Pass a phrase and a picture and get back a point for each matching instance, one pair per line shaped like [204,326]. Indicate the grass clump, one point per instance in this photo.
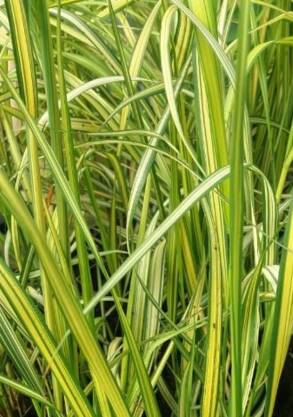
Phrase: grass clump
[146,237]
